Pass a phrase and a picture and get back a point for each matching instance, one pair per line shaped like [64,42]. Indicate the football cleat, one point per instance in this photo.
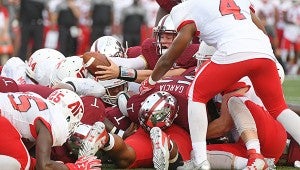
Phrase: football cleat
[256,161]
[160,143]
[191,165]
[95,140]
[271,163]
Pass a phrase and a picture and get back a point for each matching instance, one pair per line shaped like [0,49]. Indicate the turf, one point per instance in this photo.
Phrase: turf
[291,88]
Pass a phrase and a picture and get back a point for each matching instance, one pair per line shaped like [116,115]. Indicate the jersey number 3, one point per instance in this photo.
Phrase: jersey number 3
[228,7]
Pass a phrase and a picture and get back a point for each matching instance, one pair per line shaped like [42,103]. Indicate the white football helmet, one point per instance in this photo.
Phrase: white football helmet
[158,110]
[72,105]
[109,46]
[42,63]
[69,67]
[165,25]
[113,87]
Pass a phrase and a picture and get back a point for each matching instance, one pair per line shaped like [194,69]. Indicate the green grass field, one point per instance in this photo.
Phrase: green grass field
[291,87]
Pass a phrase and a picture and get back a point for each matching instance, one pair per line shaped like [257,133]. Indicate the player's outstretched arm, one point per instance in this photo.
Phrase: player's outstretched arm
[43,149]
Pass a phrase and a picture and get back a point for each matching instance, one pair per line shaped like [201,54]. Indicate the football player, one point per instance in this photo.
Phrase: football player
[36,70]
[243,49]
[46,122]
[136,150]
[138,68]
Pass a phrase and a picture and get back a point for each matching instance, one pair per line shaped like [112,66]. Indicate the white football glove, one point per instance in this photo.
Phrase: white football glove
[95,140]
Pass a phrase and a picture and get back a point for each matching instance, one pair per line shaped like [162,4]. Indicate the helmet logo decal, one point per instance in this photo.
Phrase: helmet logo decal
[76,108]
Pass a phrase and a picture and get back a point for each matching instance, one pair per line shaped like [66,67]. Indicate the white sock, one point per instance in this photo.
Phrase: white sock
[199,149]
[253,144]
[291,122]
[197,118]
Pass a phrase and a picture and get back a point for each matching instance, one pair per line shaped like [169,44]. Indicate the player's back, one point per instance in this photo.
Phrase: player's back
[226,25]
[23,109]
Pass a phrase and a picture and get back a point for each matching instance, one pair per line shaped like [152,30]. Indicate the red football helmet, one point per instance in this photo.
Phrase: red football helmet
[158,110]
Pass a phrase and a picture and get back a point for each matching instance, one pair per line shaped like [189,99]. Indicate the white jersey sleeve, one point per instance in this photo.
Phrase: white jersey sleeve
[137,63]
[24,109]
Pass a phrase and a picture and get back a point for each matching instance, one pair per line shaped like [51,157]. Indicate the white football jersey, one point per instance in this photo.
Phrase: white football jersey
[23,109]
[15,68]
[226,25]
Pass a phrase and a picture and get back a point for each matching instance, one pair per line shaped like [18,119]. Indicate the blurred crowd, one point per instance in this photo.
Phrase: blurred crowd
[71,26]
[282,23]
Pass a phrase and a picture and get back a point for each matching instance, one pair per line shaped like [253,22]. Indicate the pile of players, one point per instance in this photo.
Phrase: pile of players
[55,114]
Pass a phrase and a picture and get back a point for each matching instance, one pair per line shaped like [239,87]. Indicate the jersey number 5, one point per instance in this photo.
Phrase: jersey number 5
[228,7]
[24,103]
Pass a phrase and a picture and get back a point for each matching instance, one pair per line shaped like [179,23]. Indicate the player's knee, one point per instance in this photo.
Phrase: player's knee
[9,162]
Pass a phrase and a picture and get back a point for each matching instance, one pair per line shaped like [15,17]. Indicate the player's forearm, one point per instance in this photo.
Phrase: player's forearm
[258,23]
[217,128]
[142,75]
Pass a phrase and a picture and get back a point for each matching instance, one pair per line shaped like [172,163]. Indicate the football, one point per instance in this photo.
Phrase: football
[93,59]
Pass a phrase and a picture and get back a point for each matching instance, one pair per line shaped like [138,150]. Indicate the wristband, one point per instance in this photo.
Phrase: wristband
[113,130]
[151,81]
[119,132]
[127,74]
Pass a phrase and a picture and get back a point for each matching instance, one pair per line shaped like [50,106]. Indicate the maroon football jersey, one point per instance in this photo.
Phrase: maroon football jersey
[94,110]
[8,85]
[117,118]
[43,91]
[167,5]
[186,60]
[133,52]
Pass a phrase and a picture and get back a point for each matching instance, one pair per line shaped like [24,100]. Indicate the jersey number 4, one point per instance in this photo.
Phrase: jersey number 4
[228,7]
